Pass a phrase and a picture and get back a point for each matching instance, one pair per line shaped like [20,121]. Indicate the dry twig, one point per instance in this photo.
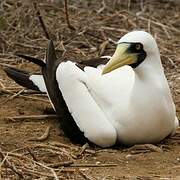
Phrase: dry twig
[67,15]
[41,21]
[44,136]
[94,165]
[10,165]
[32,117]
[72,147]
[13,96]
[84,147]
[143,148]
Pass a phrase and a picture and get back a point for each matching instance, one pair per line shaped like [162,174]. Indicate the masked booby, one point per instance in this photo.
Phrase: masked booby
[127,101]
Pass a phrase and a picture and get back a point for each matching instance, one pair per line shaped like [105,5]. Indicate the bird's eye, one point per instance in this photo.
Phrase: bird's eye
[138,47]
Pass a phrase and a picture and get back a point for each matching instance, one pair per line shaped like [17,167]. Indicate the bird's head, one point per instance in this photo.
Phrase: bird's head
[132,49]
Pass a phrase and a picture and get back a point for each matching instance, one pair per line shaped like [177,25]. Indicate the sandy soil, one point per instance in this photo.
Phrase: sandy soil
[20,31]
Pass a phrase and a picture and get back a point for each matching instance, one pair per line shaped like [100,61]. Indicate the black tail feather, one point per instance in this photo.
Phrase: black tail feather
[51,55]
[21,78]
[36,61]
[67,122]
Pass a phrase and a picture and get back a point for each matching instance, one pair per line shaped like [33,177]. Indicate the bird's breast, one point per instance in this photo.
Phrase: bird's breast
[149,118]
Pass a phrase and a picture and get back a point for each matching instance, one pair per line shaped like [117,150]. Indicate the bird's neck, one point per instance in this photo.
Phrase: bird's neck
[150,70]
[150,85]
[149,76]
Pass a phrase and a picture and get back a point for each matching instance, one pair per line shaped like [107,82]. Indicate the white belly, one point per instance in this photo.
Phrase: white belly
[147,119]
[143,128]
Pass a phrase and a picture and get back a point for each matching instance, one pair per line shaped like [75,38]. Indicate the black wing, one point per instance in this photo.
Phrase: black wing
[21,77]
[93,62]
[66,120]
[36,61]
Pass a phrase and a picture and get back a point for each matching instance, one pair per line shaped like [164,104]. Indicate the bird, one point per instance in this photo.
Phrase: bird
[124,99]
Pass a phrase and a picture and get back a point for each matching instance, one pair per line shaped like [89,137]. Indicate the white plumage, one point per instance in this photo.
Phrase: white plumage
[38,81]
[126,105]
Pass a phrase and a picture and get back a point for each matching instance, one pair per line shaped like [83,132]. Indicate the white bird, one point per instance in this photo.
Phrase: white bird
[127,101]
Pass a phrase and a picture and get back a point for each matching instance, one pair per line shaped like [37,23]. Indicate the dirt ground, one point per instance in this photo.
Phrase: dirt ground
[24,153]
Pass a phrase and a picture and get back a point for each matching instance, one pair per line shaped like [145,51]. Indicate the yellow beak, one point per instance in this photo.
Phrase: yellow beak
[120,58]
